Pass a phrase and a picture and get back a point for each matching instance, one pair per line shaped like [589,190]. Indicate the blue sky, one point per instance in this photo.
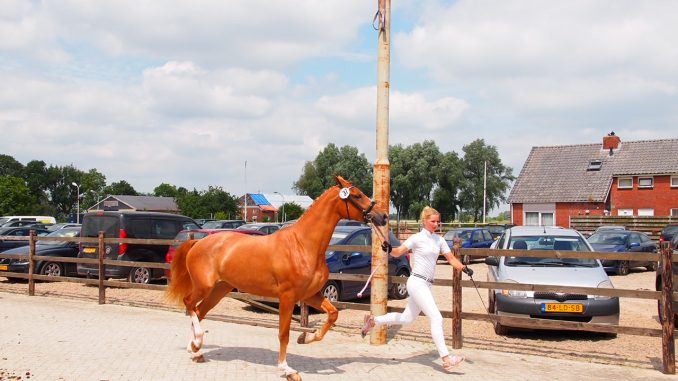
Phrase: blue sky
[184,93]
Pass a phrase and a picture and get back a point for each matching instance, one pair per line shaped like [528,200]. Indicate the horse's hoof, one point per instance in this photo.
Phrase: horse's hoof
[198,359]
[302,338]
[294,377]
[194,347]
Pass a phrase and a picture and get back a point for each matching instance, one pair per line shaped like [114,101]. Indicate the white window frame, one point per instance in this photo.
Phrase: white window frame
[645,212]
[645,178]
[619,183]
[625,212]
[541,210]
[674,181]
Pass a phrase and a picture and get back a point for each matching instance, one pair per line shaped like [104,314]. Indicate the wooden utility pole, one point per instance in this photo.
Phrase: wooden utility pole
[382,190]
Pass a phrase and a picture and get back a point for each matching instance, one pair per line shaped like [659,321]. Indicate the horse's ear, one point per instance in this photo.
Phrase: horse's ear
[340,181]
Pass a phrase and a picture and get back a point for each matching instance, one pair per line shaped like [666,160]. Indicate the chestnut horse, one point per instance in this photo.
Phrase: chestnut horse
[289,264]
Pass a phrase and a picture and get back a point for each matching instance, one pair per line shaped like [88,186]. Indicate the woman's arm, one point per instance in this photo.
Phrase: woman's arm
[454,262]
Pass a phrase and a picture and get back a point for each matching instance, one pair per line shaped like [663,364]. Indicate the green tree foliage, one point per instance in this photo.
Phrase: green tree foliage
[346,161]
[165,190]
[10,167]
[120,188]
[14,196]
[445,195]
[499,178]
[292,211]
[215,202]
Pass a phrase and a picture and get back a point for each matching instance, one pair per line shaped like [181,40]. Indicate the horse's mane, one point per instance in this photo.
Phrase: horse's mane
[319,198]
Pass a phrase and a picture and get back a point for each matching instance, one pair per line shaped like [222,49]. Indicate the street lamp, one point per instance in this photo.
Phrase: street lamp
[283,205]
[77,216]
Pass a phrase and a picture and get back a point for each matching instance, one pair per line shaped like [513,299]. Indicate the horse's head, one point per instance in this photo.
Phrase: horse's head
[358,205]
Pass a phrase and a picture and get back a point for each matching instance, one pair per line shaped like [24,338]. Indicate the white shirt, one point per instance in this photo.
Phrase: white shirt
[426,247]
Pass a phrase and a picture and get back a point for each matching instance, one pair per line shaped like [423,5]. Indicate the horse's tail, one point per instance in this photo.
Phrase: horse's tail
[180,284]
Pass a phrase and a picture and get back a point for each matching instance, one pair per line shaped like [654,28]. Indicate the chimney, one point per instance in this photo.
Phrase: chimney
[611,142]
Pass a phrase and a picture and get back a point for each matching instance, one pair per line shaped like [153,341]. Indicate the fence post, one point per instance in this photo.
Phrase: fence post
[668,348]
[31,263]
[102,269]
[456,297]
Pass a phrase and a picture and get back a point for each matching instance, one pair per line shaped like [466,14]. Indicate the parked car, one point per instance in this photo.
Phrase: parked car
[623,241]
[202,221]
[47,220]
[264,227]
[668,232]
[48,249]
[473,238]
[223,224]
[130,224]
[62,225]
[609,227]
[552,271]
[18,231]
[198,234]
[659,284]
[497,229]
[354,262]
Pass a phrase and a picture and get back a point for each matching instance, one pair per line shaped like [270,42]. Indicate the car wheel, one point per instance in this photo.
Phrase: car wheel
[52,269]
[652,266]
[331,291]
[140,275]
[399,290]
[623,268]
[499,329]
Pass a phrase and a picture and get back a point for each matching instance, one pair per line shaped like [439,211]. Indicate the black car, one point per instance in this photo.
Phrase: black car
[18,231]
[223,224]
[668,232]
[130,224]
[354,262]
[623,241]
[47,249]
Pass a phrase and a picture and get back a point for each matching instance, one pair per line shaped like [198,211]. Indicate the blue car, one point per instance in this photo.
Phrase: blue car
[354,262]
[474,238]
[623,241]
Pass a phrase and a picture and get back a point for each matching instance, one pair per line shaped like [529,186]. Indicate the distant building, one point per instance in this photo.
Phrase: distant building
[260,206]
[137,203]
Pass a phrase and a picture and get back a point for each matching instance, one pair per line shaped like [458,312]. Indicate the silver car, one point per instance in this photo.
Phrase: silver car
[554,271]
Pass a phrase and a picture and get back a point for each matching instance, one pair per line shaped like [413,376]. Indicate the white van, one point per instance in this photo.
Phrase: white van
[47,220]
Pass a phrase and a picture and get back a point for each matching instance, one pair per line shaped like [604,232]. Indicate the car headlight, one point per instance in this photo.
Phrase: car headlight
[516,293]
[604,284]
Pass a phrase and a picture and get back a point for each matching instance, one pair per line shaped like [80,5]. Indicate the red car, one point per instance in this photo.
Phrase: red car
[198,234]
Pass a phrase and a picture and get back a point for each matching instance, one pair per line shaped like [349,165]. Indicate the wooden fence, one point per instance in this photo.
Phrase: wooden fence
[649,225]
[665,296]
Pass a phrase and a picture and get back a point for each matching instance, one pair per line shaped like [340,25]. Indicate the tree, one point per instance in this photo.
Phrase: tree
[413,176]
[499,178]
[165,190]
[15,198]
[346,161]
[449,175]
[292,210]
[215,202]
[10,167]
[120,188]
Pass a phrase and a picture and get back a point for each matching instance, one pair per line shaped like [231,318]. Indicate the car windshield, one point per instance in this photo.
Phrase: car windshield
[461,234]
[338,236]
[545,242]
[212,225]
[608,238]
[60,233]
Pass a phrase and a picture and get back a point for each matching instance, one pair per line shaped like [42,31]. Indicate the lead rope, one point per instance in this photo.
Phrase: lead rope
[369,279]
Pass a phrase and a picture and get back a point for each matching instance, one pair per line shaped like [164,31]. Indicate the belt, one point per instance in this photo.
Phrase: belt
[423,277]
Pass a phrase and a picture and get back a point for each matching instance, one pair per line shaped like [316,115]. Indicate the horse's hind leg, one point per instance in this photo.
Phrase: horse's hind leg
[319,302]
[199,294]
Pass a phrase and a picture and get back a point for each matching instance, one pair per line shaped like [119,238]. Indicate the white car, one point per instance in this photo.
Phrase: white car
[554,271]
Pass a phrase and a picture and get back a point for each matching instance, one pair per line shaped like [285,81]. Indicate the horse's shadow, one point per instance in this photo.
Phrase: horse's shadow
[308,364]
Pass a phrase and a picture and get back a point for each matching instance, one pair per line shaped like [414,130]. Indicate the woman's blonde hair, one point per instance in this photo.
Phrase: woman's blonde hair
[427,212]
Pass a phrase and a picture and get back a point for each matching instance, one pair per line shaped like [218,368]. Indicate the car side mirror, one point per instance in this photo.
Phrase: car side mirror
[492,261]
[634,244]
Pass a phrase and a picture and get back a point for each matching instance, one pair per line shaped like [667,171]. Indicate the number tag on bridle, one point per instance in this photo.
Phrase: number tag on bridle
[344,193]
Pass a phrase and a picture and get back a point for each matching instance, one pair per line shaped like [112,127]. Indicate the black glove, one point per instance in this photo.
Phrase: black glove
[387,247]
[467,270]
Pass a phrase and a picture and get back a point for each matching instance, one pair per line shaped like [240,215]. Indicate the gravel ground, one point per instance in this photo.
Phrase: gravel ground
[630,350]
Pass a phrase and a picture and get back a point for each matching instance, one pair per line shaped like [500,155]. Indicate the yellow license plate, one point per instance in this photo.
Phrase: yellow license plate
[4,267]
[90,250]
[562,307]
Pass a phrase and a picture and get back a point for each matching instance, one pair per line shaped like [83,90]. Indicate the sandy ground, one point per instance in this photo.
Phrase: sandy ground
[627,350]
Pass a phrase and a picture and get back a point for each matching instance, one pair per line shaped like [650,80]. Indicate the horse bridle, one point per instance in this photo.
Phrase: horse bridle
[366,212]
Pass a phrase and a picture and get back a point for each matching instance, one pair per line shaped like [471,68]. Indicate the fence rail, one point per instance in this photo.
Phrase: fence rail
[664,296]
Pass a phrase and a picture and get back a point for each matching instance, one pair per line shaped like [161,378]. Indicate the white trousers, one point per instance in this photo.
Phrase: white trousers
[420,300]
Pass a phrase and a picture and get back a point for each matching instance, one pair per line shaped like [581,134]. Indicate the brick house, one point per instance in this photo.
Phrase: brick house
[636,178]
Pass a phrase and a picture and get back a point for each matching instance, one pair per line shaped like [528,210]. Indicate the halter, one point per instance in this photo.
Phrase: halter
[345,194]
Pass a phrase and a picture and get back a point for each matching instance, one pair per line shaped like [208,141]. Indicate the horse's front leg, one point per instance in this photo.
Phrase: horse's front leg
[319,302]
[286,307]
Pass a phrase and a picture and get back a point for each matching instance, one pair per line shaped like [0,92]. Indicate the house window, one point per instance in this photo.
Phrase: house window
[674,212]
[539,219]
[645,182]
[594,165]
[625,212]
[674,181]
[645,212]
[625,183]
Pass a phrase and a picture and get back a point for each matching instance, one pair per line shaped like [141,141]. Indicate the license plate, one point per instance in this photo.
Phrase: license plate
[4,267]
[562,307]
[90,250]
